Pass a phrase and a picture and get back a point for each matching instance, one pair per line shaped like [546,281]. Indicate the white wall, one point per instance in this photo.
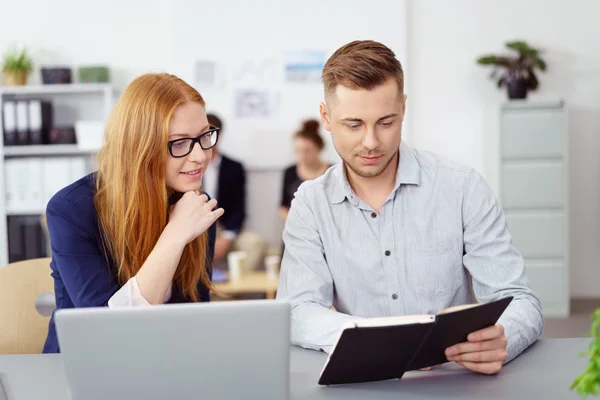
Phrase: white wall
[450,93]
[132,36]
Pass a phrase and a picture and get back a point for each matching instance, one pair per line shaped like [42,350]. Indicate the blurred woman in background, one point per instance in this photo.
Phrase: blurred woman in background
[308,145]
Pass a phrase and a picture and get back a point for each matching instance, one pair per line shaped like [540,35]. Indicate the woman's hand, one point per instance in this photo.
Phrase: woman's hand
[192,215]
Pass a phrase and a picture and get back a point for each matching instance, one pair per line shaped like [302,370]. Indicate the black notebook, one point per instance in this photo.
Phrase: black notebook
[376,349]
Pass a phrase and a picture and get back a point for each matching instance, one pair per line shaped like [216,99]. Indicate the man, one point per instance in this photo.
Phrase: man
[226,178]
[396,231]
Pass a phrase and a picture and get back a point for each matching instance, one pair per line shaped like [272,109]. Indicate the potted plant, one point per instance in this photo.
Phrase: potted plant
[519,70]
[588,383]
[16,66]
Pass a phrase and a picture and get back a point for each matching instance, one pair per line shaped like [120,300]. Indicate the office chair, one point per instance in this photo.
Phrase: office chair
[22,329]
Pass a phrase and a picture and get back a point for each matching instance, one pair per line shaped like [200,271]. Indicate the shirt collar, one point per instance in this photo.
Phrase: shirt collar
[408,173]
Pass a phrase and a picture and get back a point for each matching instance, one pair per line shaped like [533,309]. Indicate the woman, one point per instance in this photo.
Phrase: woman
[139,231]
[308,145]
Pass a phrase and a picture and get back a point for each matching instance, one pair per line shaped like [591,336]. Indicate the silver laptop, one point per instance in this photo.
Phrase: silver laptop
[2,392]
[220,350]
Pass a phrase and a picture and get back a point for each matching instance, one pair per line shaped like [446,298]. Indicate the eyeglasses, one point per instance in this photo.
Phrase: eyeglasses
[182,147]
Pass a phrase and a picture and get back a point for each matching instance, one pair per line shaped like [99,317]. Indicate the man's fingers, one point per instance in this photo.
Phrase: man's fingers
[481,356]
[472,347]
[488,333]
[483,368]
[429,368]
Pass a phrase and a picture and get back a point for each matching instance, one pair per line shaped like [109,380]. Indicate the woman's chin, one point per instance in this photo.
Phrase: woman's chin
[183,188]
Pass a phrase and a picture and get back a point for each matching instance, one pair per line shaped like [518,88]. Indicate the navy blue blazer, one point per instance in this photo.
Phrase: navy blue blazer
[82,275]
[231,194]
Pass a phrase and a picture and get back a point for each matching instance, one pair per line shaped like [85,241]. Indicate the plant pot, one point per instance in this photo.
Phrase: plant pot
[517,88]
[15,78]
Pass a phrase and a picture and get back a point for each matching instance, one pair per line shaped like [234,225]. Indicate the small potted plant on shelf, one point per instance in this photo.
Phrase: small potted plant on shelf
[518,70]
[588,383]
[16,66]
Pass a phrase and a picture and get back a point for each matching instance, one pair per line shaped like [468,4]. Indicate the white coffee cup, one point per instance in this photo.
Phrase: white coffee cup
[272,263]
[235,263]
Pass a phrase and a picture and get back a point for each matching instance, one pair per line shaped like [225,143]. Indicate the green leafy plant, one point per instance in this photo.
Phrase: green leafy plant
[17,60]
[521,66]
[588,383]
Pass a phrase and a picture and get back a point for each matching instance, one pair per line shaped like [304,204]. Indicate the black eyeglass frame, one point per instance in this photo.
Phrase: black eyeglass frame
[212,129]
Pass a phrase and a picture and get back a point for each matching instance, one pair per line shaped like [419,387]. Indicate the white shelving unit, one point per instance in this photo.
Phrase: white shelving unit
[75,101]
[72,88]
[47,150]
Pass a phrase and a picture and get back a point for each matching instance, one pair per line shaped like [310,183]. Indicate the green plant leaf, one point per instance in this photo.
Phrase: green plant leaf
[517,45]
[594,347]
[491,59]
[501,82]
[541,64]
[487,60]
[17,60]
[532,82]
[588,382]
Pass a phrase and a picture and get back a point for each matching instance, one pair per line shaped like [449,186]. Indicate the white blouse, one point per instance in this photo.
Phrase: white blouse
[129,295]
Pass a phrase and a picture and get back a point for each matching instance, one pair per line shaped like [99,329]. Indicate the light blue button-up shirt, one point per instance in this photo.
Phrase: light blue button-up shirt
[440,240]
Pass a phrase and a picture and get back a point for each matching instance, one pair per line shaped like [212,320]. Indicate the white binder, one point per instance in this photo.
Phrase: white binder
[9,112]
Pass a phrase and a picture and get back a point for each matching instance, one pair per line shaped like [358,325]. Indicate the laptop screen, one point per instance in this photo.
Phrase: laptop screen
[2,392]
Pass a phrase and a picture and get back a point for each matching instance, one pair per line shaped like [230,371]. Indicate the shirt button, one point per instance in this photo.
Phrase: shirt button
[395,296]
[373,215]
[387,252]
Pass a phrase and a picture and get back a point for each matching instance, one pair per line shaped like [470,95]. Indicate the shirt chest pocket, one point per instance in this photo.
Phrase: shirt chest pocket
[435,267]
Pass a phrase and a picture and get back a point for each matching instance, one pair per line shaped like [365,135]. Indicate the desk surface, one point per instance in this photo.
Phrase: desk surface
[545,370]
[250,282]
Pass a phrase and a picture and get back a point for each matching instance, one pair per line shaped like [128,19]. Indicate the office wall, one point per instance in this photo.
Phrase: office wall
[131,36]
[450,95]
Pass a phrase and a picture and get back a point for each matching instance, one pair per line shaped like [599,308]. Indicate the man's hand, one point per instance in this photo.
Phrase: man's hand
[222,245]
[484,351]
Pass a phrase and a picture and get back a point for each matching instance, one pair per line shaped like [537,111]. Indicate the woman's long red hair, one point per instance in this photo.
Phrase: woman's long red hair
[132,198]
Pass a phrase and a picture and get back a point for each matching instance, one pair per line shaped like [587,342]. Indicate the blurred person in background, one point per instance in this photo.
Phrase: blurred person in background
[308,145]
[226,178]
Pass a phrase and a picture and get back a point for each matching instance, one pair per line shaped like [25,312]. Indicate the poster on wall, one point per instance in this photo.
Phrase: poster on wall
[258,72]
[304,66]
[250,103]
